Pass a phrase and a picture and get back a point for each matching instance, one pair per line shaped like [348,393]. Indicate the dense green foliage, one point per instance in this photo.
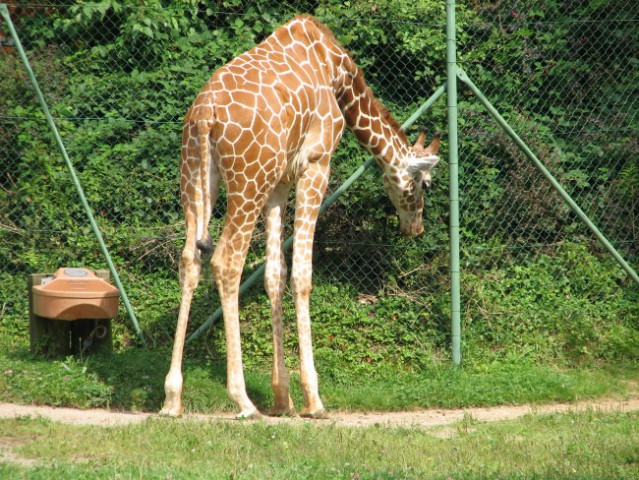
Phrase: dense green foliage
[119,77]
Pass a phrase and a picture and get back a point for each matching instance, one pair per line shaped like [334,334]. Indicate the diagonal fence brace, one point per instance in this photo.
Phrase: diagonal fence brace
[4,11]
[463,77]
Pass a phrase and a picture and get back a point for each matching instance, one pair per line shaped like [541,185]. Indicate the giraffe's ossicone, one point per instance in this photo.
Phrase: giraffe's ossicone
[268,121]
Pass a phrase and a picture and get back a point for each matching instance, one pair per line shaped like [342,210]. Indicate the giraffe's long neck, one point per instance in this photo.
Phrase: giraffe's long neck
[371,122]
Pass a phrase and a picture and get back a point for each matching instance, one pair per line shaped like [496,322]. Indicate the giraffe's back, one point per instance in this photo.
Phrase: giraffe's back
[282,83]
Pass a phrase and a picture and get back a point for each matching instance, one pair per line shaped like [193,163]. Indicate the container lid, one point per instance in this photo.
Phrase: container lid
[76,283]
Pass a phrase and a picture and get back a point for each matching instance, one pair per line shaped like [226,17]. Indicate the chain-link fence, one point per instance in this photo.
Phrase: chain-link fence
[564,75]
[119,77]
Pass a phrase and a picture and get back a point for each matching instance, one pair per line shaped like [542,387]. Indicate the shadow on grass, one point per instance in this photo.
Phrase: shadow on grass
[133,379]
[136,378]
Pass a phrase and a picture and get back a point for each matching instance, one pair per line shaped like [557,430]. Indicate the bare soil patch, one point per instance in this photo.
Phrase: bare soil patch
[411,419]
[7,444]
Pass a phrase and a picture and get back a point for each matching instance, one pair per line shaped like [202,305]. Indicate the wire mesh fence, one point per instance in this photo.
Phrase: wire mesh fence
[563,74]
[119,78]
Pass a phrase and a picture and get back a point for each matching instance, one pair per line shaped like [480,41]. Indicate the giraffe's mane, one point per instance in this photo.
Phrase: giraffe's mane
[384,111]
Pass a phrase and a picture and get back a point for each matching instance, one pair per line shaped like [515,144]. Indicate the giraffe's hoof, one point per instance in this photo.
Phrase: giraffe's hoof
[276,411]
[282,407]
[248,415]
[171,411]
[314,414]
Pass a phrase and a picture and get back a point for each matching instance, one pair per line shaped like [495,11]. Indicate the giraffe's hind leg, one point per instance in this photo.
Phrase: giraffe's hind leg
[199,187]
[190,268]
[227,264]
[310,191]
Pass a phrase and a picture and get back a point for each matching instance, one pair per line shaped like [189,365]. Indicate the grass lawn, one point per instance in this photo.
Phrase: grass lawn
[133,379]
[588,445]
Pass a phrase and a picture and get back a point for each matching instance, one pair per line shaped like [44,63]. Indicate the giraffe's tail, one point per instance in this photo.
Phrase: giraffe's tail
[204,243]
[205,246]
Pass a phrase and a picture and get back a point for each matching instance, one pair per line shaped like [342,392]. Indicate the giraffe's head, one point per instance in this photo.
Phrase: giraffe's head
[406,183]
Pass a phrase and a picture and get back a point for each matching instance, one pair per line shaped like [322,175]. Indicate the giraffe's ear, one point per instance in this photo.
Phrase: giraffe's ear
[425,163]
[431,149]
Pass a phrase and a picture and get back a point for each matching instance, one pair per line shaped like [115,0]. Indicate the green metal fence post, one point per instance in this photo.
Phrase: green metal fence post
[4,11]
[546,173]
[453,157]
[257,274]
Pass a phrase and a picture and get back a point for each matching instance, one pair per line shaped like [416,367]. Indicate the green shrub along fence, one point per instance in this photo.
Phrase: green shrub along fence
[536,284]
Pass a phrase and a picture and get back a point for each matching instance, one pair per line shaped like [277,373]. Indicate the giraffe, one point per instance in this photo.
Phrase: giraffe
[268,121]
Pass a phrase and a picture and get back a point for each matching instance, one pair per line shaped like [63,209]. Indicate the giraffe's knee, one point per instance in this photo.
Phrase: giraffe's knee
[191,254]
[190,267]
[225,271]
[301,281]
[274,278]
[218,266]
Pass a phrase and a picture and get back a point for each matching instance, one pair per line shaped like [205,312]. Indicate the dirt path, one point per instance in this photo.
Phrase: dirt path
[420,418]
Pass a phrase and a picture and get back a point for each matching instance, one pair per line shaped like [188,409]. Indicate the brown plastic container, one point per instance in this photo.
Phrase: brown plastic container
[73,294]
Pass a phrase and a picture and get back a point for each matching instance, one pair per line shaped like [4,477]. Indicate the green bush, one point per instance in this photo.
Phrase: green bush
[539,312]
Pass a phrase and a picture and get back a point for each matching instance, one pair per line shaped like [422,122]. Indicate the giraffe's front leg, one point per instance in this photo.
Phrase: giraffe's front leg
[310,191]
[275,284]
[301,280]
